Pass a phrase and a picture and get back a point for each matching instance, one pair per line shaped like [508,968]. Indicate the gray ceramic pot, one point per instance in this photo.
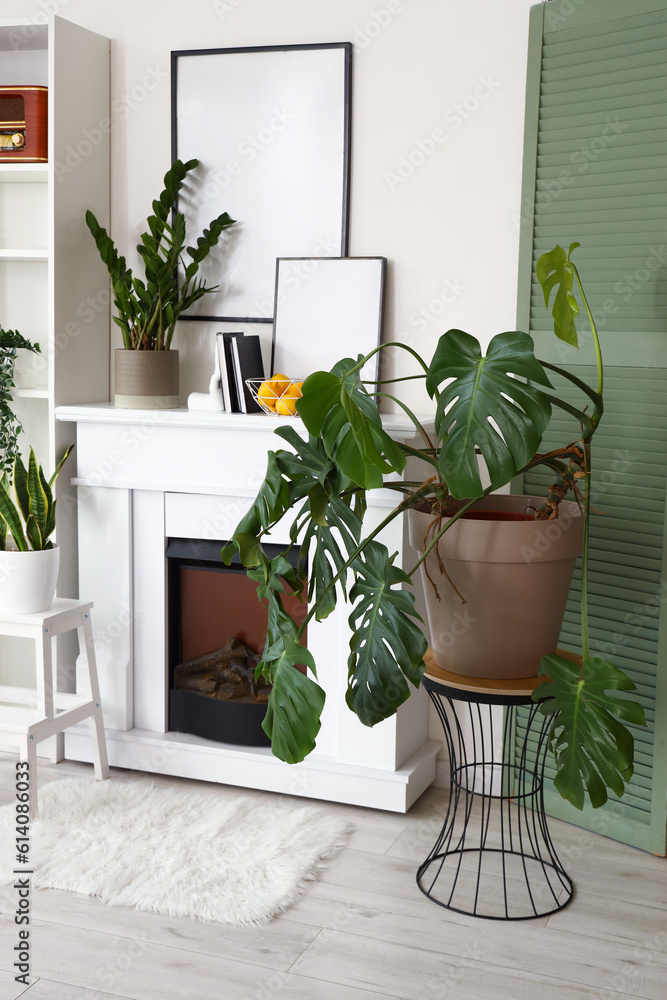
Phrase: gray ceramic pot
[146,380]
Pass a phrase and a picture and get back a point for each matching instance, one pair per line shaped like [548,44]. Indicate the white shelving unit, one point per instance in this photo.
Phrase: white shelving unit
[49,268]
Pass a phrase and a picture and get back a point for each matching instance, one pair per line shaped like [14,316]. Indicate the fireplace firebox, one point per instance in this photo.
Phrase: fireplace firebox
[216,633]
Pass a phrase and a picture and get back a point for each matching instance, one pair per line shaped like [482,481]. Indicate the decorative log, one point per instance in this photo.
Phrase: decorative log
[228,673]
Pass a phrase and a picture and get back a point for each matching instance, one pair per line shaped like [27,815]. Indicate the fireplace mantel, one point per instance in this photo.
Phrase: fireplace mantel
[144,476]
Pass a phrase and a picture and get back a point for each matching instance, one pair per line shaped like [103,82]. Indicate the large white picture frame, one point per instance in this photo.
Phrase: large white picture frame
[270,126]
[327,309]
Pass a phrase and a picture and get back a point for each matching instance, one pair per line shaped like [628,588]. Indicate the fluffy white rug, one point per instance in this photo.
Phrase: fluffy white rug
[235,860]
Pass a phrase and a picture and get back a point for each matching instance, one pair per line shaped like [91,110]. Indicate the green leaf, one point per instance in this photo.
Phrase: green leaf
[292,719]
[319,500]
[480,391]
[20,484]
[39,502]
[555,270]
[336,407]
[209,239]
[269,506]
[34,533]
[12,339]
[10,515]
[272,575]
[116,266]
[386,645]
[4,481]
[592,747]
[321,545]
[60,464]
[249,549]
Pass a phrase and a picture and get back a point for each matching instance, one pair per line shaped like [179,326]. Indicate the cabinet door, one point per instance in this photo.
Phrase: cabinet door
[595,159]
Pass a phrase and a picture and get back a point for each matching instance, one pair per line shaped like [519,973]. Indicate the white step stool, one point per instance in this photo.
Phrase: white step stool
[29,715]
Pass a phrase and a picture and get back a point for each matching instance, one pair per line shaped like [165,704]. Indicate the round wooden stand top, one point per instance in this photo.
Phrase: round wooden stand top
[521,687]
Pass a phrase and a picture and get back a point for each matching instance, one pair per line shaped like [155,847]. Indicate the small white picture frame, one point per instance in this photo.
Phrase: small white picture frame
[327,308]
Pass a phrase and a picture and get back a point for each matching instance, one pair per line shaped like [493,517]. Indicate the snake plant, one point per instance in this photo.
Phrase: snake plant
[30,516]
[149,310]
[501,403]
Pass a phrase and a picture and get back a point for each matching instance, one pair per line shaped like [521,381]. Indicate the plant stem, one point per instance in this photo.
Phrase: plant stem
[381,347]
[408,412]
[587,470]
[584,555]
[596,339]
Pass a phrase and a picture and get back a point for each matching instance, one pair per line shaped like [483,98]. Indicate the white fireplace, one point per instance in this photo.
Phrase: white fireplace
[146,476]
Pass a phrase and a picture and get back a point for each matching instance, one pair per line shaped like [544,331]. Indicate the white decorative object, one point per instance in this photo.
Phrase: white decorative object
[208,402]
[28,580]
[222,857]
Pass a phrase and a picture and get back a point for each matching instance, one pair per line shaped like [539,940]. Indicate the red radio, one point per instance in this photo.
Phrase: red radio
[23,130]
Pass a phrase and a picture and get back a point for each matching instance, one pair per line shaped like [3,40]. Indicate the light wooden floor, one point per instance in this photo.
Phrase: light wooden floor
[362,931]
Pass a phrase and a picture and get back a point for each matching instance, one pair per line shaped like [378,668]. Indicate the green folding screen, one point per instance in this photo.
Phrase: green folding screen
[595,171]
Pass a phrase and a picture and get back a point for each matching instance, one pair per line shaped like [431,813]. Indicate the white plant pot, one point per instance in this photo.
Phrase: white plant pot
[28,580]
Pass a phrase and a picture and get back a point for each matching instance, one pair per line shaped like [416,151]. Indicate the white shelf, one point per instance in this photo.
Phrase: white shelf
[24,255]
[18,707]
[48,263]
[30,393]
[106,413]
[24,173]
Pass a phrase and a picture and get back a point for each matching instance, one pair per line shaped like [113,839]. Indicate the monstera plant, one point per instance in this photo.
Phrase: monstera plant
[500,403]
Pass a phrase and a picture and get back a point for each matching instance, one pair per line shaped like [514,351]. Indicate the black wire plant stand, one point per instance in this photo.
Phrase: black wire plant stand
[494,857]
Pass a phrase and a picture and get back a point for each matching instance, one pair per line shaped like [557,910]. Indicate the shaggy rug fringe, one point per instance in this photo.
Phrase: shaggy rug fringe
[236,860]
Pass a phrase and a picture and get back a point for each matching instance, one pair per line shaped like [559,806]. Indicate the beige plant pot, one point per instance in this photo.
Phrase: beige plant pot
[515,576]
[146,380]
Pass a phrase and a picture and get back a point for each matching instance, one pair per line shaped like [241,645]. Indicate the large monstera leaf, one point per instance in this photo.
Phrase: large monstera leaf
[292,719]
[593,750]
[386,645]
[484,407]
[336,406]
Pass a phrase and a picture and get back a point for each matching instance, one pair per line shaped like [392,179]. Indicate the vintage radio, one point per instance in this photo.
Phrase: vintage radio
[23,117]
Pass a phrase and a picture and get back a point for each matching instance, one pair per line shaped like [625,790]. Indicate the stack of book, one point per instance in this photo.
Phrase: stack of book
[240,358]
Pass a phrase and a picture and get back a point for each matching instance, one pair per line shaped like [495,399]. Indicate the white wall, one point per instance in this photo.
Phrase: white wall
[447,229]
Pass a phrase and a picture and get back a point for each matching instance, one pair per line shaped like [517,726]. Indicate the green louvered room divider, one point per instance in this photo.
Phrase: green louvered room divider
[595,171]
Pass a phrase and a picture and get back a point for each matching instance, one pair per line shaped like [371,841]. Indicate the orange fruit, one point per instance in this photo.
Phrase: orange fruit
[266,395]
[293,390]
[278,383]
[286,405]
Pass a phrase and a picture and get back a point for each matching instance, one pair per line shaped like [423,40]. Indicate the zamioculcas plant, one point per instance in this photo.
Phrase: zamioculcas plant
[10,425]
[30,516]
[501,403]
[149,310]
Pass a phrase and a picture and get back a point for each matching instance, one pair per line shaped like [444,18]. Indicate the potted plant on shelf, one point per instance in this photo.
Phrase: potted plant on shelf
[146,367]
[482,402]
[28,558]
[10,426]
